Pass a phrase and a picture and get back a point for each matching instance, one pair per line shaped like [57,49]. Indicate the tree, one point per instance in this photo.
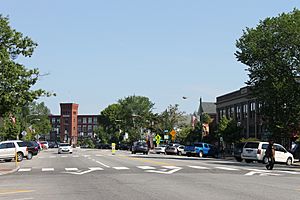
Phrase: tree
[271,53]
[136,115]
[16,81]
[228,129]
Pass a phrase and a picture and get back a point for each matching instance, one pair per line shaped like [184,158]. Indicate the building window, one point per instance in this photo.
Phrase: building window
[90,128]
[90,120]
[245,110]
[79,120]
[231,112]
[84,128]
[58,121]
[66,121]
[79,129]
[238,113]
[84,120]
[95,120]
[53,120]
[95,127]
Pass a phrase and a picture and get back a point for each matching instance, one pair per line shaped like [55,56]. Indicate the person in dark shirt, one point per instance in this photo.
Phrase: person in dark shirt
[270,154]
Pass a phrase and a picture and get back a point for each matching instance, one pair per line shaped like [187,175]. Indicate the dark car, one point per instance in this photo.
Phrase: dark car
[139,147]
[53,145]
[33,148]
[237,152]
[296,151]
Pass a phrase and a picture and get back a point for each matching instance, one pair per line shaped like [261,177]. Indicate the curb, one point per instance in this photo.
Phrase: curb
[9,171]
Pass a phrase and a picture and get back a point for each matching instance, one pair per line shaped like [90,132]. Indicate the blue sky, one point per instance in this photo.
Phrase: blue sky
[97,51]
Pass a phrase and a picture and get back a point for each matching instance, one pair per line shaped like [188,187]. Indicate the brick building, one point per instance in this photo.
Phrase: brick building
[69,125]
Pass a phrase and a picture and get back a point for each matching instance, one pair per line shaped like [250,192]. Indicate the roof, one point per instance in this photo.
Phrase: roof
[209,107]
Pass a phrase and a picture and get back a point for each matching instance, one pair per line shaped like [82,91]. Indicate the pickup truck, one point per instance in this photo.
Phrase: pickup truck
[200,149]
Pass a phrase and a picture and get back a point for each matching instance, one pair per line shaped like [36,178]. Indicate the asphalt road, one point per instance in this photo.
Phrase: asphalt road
[97,174]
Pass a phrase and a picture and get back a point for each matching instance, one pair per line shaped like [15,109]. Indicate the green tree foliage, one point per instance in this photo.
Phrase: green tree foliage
[15,80]
[228,129]
[271,53]
[172,117]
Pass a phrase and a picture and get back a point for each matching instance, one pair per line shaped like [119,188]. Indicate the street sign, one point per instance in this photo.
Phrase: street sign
[173,133]
[24,133]
[157,138]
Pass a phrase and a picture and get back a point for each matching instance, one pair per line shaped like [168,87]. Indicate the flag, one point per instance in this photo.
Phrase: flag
[194,121]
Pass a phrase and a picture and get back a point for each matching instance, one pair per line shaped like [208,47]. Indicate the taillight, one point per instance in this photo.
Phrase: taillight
[258,151]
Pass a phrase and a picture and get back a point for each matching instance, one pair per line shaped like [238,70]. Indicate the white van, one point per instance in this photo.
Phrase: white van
[255,151]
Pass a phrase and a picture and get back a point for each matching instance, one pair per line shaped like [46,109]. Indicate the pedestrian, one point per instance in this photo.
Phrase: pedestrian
[270,154]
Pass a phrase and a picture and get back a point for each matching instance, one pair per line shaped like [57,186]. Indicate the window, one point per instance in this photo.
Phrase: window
[84,128]
[10,145]
[79,120]
[79,128]
[95,120]
[90,128]
[53,120]
[95,127]
[245,110]
[252,145]
[58,121]
[238,113]
[22,144]
[90,120]
[84,120]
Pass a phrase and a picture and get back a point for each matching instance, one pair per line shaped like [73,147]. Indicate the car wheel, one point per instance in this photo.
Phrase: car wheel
[238,159]
[58,152]
[289,161]
[248,161]
[179,153]
[71,152]
[29,156]
[265,160]
[200,154]
[19,156]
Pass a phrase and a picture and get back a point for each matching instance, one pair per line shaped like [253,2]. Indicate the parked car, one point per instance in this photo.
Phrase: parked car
[139,147]
[32,149]
[255,151]
[45,144]
[53,145]
[175,149]
[160,149]
[237,152]
[296,151]
[65,148]
[9,149]
[201,149]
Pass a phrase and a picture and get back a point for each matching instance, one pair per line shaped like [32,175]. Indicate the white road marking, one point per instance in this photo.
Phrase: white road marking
[96,168]
[145,167]
[47,169]
[227,168]
[75,156]
[71,169]
[86,156]
[198,167]
[164,171]
[24,170]
[120,168]
[64,156]
[102,164]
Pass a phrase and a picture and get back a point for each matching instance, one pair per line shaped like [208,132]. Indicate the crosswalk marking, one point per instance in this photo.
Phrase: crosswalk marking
[120,168]
[96,168]
[75,156]
[24,170]
[227,168]
[47,169]
[71,169]
[145,167]
[198,167]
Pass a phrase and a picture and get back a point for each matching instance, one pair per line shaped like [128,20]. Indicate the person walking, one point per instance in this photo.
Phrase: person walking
[270,154]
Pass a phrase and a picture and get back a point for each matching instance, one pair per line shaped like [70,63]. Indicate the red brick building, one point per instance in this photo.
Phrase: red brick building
[69,126]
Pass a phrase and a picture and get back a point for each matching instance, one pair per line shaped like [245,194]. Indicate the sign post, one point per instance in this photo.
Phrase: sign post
[173,134]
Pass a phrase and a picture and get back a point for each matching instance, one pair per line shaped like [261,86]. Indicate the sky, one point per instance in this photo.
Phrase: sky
[96,52]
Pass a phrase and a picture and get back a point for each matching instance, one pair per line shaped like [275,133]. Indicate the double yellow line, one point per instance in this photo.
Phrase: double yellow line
[3,192]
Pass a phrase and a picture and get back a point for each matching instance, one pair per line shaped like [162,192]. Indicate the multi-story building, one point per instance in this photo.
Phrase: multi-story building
[244,109]
[68,126]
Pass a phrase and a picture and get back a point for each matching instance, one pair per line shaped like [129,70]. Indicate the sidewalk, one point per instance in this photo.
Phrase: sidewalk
[8,167]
